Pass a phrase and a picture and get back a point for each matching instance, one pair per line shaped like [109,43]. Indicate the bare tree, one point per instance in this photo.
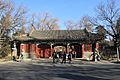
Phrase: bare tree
[107,16]
[85,22]
[44,22]
[10,17]
[118,27]
[71,25]
[101,32]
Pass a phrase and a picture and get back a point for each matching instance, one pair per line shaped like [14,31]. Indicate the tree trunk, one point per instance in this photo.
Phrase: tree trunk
[93,50]
[117,49]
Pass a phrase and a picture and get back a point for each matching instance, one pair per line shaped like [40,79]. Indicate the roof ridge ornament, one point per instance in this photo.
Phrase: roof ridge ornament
[88,29]
[32,29]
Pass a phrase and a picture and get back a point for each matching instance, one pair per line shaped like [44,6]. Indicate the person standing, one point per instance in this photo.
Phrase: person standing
[97,55]
[75,54]
[58,57]
[69,57]
[54,55]
[64,58]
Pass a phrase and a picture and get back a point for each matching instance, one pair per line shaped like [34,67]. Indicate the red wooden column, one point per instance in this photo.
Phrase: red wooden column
[82,50]
[51,49]
[27,48]
[33,47]
[37,51]
[33,50]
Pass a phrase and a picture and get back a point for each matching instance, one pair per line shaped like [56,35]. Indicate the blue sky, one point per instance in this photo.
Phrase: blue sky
[64,10]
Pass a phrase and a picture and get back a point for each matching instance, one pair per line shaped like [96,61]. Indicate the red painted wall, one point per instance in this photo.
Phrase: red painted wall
[23,47]
[88,47]
[82,50]
[33,47]
[44,51]
[37,51]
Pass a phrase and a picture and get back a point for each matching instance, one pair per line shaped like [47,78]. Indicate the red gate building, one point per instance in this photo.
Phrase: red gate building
[41,44]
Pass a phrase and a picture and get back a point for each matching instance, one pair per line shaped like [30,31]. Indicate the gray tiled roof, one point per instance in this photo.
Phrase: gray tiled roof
[22,38]
[58,34]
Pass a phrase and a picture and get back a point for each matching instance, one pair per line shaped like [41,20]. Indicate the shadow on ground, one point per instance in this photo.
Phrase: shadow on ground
[79,77]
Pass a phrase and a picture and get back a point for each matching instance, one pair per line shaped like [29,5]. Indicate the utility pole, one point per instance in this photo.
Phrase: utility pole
[117,46]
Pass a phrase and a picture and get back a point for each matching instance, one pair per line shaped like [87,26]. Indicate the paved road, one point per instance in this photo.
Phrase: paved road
[50,71]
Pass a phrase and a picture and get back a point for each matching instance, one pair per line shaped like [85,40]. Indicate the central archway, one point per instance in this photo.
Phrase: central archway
[76,49]
[60,47]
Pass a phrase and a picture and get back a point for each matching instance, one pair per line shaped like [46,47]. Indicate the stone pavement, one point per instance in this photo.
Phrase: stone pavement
[74,61]
[44,69]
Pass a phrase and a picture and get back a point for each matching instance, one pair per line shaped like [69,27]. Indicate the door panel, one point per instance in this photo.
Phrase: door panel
[44,51]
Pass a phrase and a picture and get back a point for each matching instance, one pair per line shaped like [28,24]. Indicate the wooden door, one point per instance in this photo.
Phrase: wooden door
[44,51]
